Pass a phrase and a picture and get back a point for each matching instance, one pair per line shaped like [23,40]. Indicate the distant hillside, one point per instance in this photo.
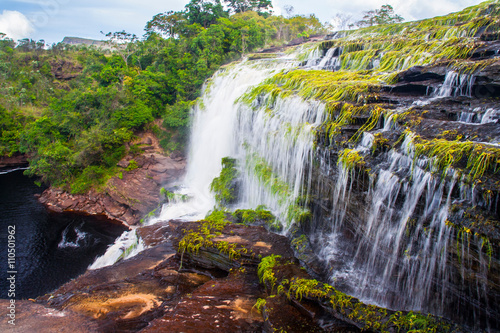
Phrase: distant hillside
[83,41]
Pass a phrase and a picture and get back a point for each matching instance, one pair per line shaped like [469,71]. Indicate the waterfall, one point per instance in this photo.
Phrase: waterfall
[330,61]
[490,116]
[394,251]
[216,130]
[277,138]
[456,85]
[479,116]
[390,250]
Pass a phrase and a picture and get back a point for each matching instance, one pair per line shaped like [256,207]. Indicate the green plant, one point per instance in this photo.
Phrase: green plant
[225,186]
[259,304]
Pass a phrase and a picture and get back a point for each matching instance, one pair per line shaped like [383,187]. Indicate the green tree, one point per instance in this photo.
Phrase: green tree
[241,6]
[384,15]
[164,24]
[204,12]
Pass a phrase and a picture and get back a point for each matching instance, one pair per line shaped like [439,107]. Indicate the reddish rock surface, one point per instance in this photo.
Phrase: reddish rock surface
[32,317]
[65,70]
[13,161]
[161,290]
[126,199]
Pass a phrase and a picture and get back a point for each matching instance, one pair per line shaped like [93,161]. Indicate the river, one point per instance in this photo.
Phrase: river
[50,249]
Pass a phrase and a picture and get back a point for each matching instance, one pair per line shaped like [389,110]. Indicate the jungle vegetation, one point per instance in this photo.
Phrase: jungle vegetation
[73,109]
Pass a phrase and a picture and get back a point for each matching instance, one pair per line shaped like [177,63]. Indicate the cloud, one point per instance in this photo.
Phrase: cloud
[15,25]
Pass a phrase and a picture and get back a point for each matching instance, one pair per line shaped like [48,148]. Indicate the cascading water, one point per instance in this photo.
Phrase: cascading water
[456,85]
[215,131]
[330,61]
[397,257]
[277,141]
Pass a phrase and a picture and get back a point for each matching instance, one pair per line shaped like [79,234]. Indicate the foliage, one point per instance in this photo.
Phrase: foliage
[259,304]
[478,158]
[239,6]
[384,15]
[72,109]
[209,229]
[265,270]
[369,317]
[250,216]
[225,186]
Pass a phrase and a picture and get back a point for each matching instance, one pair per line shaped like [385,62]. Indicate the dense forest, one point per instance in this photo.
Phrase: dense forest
[73,109]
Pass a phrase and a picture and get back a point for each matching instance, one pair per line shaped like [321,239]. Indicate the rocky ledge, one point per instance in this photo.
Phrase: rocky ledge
[209,276]
[130,195]
[14,161]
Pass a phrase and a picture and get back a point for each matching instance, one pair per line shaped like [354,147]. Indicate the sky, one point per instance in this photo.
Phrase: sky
[52,20]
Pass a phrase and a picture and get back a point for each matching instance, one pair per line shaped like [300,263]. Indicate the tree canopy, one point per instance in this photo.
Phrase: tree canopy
[73,110]
[384,15]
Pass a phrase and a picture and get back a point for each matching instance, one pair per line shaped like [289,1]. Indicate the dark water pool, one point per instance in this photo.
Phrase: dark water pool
[50,249]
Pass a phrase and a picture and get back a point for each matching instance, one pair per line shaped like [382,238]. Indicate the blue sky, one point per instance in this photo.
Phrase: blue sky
[52,20]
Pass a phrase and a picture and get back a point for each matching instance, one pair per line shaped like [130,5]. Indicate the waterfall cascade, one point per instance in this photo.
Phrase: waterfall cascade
[393,249]
[215,134]
[456,85]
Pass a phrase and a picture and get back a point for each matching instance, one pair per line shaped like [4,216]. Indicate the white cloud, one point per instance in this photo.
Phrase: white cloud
[15,25]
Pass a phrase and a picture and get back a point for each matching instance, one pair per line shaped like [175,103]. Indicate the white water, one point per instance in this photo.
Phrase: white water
[330,61]
[126,246]
[456,85]
[398,258]
[215,133]
[282,139]
[4,172]
[386,265]
[72,237]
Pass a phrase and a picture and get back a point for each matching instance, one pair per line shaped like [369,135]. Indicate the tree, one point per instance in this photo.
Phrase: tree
[241,6]
[384,15]
[167,24]
[204,12]
[123,43]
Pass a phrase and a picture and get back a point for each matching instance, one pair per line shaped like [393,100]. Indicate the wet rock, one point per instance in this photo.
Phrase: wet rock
[33,317]
[161,290]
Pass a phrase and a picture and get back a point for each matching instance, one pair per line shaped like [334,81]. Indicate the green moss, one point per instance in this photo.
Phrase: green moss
[266,175]
[172,196]
[225,187]
[209,229]
[132,165]
[260,304]
[295,212]
[380,143]
[265,270]
[370,317]
[299,244]
[477,158]
[350,158]
[251,216]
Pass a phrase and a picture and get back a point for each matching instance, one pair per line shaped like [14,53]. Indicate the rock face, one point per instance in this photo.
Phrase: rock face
[391,186]
[226,285]
[161,290]
[65,70]
[135,192]
[126,199]
[13,161]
